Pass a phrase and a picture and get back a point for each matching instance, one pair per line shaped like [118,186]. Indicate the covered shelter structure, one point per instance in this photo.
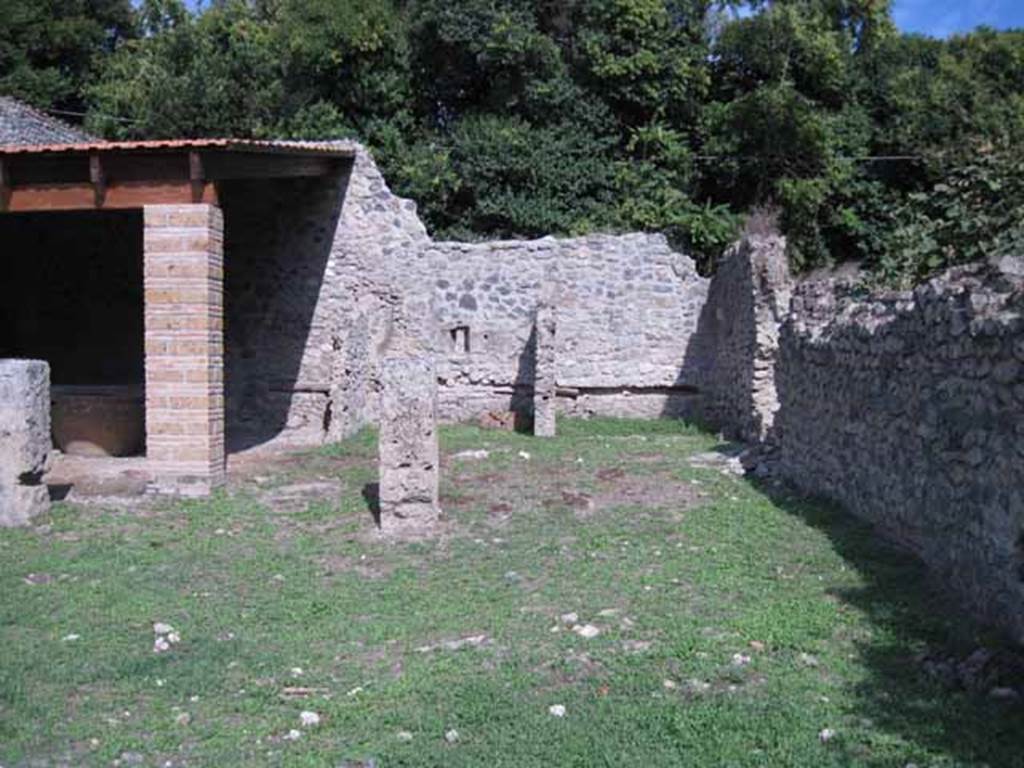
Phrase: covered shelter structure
[115,261]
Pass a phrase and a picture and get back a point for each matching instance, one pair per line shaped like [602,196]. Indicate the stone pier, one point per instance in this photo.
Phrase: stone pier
[24,439]
[544,392]
[409,454]
[184,277]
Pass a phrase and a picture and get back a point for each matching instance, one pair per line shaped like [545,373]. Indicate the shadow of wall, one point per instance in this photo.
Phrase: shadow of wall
[732,355]
[905,408]
[71,294]
[278,240]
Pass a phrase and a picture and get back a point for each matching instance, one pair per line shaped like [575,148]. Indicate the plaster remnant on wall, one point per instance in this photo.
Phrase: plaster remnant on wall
[409,454]
[25,442]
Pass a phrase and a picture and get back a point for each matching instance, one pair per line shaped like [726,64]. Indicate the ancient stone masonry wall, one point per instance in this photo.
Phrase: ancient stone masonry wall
[908,409]
[738,338]
[627,306]
[311,286]
[325,278]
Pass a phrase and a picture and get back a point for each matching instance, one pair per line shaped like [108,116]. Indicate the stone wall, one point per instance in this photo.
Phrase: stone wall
[310,287]
[907,409]
[738,338]
[324,278]
[627,306]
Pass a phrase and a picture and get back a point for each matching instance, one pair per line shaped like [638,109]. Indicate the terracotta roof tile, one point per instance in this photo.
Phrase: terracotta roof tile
[340,148]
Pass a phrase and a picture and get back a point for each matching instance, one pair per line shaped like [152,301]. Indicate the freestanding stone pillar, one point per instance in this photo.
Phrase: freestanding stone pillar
[544,392]
[24,439]
[409,454]
[184,277]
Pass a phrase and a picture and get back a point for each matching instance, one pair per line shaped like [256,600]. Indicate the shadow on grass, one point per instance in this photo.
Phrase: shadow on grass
[910,614]
[371,495]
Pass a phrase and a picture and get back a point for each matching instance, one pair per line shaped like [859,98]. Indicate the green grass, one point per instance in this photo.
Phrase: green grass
[695,564]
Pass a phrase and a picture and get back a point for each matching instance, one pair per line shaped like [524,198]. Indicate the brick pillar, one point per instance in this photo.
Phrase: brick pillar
[184,280]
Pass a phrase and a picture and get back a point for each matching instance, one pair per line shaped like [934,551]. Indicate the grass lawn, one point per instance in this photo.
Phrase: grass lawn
[735,625]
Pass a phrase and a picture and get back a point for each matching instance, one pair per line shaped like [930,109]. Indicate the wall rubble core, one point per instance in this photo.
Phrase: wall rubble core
[24,440]
[906,408]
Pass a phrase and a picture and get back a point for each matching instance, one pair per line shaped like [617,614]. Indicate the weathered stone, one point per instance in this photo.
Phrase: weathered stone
[544,385]
[24,439]
[916,443]
[409,454]
[738,337]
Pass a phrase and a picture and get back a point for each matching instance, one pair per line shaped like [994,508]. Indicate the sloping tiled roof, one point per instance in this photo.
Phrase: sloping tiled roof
[340,148]
[20,124]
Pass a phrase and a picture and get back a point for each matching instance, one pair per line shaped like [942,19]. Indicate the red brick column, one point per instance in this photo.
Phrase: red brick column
[184,281]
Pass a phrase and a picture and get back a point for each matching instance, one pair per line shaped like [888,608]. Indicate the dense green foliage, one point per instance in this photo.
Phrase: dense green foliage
[523,117]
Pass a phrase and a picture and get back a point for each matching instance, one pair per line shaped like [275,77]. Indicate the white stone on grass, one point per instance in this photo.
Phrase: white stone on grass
[309,719]
[586,631]
[472,455]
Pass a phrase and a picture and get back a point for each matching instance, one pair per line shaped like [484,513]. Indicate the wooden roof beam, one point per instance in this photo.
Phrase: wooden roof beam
[78,197]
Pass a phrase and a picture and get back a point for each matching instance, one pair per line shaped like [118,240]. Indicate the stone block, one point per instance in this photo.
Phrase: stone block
[544,392]
[24,439]
[409,454]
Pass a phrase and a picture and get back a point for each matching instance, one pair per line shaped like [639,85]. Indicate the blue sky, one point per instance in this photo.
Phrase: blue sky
[941,18]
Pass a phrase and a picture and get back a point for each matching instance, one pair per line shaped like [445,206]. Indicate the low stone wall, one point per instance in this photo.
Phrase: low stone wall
[907,409]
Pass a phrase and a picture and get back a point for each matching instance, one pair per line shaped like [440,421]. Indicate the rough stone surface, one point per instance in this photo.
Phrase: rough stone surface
[544,385]
[738,338]
[409,456]
[627,307]
[906,408]
[24,439]
[326,276]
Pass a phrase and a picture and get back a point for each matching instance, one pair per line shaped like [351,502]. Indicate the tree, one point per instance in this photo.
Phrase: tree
[49,49]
